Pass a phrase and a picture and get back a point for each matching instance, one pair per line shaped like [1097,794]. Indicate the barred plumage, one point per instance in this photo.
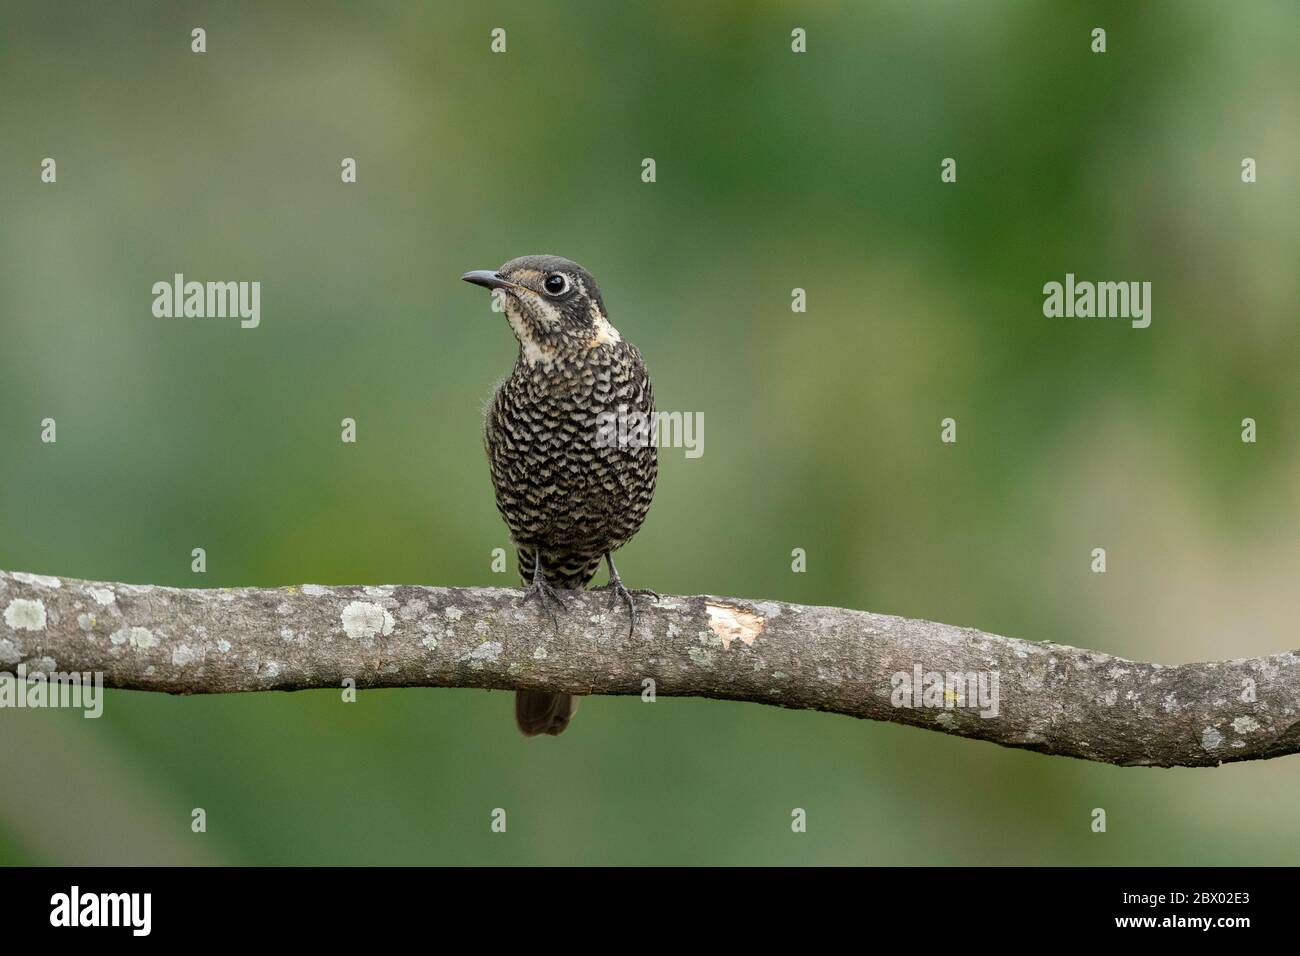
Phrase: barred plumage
[570,492]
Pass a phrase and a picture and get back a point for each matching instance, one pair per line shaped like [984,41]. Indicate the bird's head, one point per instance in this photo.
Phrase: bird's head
[553,305]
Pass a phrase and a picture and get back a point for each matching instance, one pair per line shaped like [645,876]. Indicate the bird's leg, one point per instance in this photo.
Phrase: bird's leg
[616,588]
[543,591]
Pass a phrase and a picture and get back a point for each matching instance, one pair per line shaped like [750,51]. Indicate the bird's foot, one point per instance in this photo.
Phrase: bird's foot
[546,597]
[619,592]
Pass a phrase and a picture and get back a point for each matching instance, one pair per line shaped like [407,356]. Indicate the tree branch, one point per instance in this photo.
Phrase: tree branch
[1047,697]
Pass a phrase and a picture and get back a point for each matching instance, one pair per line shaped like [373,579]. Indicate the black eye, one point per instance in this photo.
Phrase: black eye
[556,284]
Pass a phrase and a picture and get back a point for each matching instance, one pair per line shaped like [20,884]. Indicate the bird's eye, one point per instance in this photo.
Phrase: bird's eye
[556,284]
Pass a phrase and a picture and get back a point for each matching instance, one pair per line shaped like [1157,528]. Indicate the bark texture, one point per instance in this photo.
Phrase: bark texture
[1051,698]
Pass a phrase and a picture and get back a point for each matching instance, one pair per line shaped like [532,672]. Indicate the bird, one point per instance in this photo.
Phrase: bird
[572,459]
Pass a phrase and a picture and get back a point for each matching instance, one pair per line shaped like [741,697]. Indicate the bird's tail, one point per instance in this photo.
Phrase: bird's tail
[541,712]
[537,711]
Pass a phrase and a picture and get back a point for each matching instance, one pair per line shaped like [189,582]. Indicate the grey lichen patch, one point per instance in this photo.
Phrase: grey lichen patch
[362,621]
[539,653]
[37,580]
[430,642]
[10,652]
[25,615]
[945,720]
[1267,669]
[223,645]
[708,639]
[184,655]
[1245,725]
[452,614]
[1210,739]
[733,624]
[700,656]
[487,651]
[315,590]
[413,609]
[102,596]
[86,622]
[141,638]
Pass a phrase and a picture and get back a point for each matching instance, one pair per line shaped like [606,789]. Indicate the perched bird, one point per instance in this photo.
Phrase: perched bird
[572,485]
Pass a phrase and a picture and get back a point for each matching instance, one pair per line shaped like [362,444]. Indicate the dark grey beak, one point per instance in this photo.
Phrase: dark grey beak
[487,279]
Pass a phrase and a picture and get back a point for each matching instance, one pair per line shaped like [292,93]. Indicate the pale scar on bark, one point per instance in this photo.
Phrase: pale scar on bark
[732,624]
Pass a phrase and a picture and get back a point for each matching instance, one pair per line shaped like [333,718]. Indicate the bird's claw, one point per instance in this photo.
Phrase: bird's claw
[617,591]
[544,594]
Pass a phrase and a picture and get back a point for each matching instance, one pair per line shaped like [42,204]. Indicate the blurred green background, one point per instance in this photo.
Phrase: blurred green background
[775,171]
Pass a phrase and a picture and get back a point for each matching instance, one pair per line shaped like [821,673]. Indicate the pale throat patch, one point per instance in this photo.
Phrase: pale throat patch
[606,334]
[533,351]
